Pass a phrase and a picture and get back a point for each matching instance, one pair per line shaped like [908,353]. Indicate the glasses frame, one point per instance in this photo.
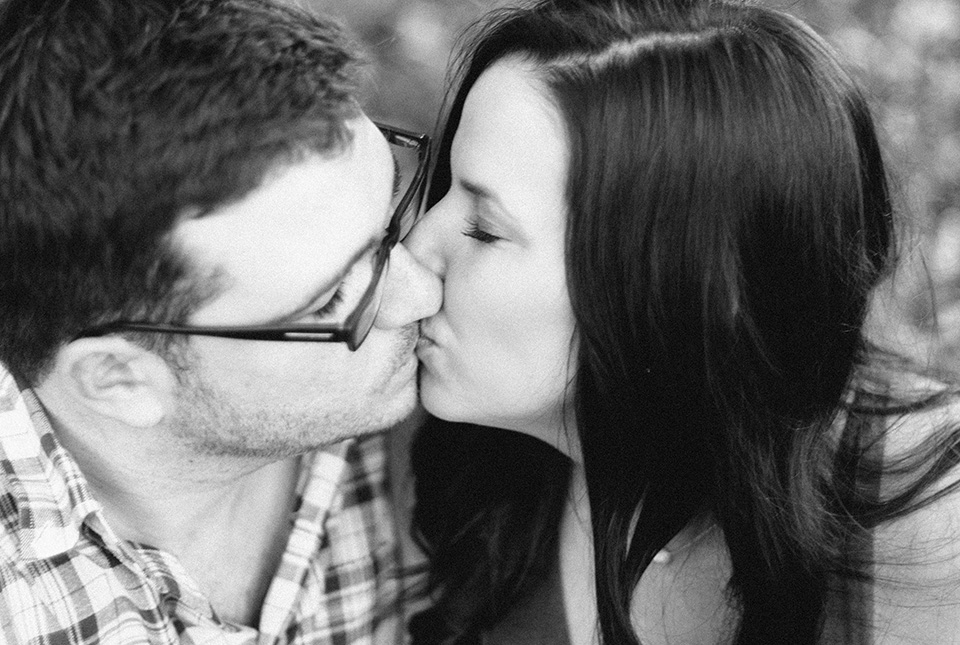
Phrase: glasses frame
[348,331]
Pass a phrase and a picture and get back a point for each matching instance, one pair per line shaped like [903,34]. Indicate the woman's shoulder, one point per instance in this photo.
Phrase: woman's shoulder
[922,405]
[916,555]
[682,596]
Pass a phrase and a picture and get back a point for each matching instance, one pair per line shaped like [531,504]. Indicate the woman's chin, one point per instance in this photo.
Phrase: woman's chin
[435,399]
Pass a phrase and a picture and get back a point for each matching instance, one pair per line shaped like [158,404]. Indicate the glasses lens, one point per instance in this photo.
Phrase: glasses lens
[410,187]
[371,308]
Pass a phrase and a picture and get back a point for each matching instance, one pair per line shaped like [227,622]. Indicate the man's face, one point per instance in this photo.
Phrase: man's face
[294,250]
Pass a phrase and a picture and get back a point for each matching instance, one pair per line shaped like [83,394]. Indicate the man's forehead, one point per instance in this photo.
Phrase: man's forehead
[302,228]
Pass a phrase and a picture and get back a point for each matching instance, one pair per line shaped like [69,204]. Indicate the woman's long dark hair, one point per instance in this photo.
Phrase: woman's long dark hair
[729,216]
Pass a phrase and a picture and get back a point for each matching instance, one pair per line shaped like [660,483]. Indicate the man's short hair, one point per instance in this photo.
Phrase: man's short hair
[116,118]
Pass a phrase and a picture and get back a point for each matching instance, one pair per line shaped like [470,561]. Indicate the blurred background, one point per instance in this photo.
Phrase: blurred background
[906,52]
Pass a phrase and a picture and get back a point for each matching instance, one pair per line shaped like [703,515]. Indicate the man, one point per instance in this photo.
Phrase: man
[184,185]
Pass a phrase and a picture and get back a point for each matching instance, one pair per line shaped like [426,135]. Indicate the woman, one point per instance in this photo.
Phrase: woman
[658,224]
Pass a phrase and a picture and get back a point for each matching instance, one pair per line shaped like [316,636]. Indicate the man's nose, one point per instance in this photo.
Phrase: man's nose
[412,291]
[427,241]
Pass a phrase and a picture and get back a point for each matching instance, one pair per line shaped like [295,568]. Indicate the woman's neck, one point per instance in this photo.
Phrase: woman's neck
[576,562]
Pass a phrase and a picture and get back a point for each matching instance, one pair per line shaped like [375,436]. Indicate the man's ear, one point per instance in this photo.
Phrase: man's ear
[118,379]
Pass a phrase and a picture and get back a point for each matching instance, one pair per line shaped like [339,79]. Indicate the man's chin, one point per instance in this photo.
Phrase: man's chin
[403,404]
[402,381]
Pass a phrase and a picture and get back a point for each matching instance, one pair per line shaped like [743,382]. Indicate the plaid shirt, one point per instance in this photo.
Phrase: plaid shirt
[67,579]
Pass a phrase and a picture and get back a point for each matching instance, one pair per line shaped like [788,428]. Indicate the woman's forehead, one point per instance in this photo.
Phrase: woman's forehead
[511,144]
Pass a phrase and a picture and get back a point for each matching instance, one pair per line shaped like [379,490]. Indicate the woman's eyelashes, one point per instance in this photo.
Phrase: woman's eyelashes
[477,225]
[473,230]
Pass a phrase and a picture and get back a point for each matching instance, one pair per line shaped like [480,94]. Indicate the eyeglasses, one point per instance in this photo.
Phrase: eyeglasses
[355,327]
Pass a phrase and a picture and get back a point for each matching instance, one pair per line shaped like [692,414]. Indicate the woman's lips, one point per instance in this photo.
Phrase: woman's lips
[425,341]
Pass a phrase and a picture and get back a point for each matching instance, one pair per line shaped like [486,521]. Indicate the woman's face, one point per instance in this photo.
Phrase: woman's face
[499,351]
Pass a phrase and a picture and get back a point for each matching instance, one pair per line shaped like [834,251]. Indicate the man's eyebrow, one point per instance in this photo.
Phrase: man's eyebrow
[308,303]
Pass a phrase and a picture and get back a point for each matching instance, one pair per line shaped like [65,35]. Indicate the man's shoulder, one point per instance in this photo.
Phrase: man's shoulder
[44,497]
[18,445]
[9,524]
[78,597]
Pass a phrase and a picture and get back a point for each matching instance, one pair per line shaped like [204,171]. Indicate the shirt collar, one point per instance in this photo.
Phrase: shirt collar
[49,491]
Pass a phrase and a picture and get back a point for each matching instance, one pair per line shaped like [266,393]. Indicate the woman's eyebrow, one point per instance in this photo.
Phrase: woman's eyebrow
[477,189]
[501,213]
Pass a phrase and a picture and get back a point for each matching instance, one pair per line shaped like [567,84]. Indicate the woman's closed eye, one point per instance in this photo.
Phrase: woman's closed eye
[473,230]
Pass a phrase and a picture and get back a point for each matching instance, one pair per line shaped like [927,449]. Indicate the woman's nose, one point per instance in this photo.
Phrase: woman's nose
[412,291]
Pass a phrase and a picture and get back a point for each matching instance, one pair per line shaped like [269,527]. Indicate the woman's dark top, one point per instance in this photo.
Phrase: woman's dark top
[539,620]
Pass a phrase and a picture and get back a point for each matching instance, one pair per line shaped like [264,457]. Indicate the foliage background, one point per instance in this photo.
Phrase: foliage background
[906,52]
